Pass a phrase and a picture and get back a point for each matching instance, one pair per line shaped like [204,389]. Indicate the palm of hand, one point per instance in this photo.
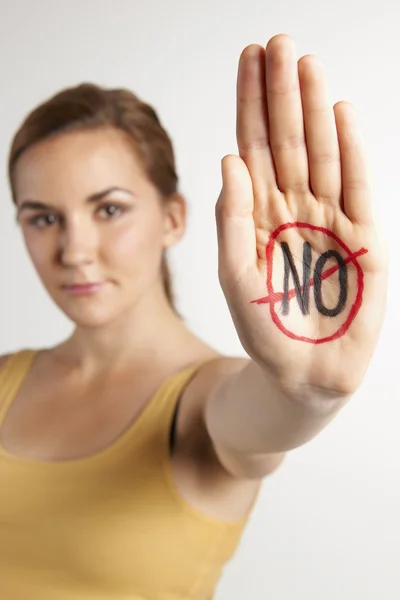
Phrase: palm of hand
[301,262]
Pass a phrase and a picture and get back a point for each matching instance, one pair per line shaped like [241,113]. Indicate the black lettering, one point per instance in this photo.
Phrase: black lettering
[330,312]
[302,297]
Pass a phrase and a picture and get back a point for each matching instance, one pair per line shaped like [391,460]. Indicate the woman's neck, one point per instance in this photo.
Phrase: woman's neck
[141,335]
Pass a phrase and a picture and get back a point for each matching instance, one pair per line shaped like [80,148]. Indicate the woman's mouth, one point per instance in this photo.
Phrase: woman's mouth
[83,289]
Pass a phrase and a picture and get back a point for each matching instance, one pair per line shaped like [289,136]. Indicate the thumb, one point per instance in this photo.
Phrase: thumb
[234,216]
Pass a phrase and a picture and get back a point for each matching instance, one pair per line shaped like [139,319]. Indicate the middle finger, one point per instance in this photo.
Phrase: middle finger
[285,115]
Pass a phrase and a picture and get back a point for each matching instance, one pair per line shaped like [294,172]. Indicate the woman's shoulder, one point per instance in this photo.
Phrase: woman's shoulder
[206,379]
[212,371]
[3,359]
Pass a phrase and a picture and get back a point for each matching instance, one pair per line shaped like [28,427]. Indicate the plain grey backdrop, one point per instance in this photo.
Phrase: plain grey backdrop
[327,524]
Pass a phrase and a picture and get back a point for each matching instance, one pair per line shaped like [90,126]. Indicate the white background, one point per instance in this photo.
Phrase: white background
[327,525]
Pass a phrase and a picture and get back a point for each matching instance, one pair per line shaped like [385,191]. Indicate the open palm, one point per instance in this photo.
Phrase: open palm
[301,261]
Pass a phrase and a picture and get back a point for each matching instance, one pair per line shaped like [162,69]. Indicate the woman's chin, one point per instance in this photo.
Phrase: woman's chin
[90,315]
[90,322]
[91,319]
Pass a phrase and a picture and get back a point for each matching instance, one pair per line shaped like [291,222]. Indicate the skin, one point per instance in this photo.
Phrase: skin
[120,350]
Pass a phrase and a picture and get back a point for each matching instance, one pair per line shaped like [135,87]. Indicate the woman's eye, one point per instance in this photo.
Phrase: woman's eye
[42,221]
[111,210]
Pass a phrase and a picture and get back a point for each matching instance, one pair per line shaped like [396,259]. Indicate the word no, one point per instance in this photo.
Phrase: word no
[303,292]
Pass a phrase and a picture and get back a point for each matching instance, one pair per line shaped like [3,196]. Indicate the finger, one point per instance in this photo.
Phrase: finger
[237,250]
[285,115]
[356,181]
[321,135]
[252,120]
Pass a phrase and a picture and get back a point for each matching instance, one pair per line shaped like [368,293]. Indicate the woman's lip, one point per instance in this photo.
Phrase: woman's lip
[83,289]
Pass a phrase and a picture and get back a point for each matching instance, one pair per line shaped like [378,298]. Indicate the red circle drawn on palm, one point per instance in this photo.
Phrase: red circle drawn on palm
[274,297]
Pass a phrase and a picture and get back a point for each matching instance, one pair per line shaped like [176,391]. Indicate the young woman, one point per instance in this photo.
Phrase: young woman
[132,453]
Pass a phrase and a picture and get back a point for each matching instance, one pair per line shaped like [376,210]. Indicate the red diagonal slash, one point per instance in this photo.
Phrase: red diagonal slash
[277,296]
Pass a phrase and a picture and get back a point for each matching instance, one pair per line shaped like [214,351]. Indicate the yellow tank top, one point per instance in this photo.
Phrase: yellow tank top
[111,526]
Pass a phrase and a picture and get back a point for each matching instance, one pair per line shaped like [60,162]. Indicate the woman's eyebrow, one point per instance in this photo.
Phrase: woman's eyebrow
[99,195]
[96,197]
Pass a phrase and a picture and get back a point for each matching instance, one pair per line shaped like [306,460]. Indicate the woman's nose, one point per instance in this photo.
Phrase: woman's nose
[78,245]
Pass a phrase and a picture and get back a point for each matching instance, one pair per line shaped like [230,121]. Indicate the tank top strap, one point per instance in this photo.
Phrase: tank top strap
[175,385]
[165,401]
[12,375]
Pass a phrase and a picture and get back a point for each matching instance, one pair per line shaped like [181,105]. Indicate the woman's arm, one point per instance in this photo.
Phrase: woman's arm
[301,260]
[252,421]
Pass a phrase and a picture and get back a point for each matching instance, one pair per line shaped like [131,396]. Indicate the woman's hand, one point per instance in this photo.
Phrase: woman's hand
[301,261]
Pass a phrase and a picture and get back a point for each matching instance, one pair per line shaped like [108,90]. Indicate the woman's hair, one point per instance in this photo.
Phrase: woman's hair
[89,106]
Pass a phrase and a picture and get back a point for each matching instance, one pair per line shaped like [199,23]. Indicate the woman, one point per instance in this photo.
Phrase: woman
[132,453]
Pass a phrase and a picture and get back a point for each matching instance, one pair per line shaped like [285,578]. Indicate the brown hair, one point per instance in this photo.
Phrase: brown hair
[89,106]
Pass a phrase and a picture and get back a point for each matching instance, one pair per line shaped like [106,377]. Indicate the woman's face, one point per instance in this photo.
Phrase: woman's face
[90,216]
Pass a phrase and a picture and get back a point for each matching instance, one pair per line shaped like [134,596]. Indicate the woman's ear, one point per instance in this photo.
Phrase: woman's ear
[175,213]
